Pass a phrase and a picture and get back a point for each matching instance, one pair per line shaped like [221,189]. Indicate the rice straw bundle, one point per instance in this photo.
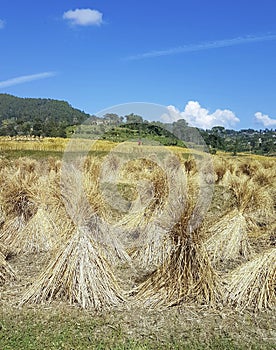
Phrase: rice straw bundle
[229,239]
[112,246]
[248,196]
[153,243]
[6,272]
[39,234]
[220,167]
[79,274]
[186,275]
[254,202]
[17,196]
[11,229]
[27,165]
[247,168]
[264,177]
[151,248]
[32,228]
[253,284]
[80,212]
[152,186]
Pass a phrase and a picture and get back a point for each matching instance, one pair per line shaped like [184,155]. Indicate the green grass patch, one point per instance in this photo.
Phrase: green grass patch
[55,330]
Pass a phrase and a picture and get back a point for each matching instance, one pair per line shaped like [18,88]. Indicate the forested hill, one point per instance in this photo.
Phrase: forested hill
[37,116]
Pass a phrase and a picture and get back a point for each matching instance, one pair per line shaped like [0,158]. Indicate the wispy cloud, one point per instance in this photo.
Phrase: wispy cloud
[208,45]
[25,79]
[2,24]
[84,17]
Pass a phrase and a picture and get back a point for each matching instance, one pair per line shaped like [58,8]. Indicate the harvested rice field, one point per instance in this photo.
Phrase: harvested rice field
[128,247]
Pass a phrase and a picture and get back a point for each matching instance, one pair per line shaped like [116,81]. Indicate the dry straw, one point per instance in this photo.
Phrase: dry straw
[81,210]
[253,284]
[79,274]
[250,205]
[6,272]
[17,203]
[30,225]
[151,242]
[186,274]
[229,238]
[38,235]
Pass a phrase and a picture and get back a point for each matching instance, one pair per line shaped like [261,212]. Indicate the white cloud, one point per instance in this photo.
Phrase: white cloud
[265,119]
[25,79]
[2,24]
[200,117]
[84,17]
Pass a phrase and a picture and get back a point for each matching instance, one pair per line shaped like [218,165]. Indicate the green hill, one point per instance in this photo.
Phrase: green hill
[37,116]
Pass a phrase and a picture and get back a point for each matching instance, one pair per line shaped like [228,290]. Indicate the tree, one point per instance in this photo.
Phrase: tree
[134,118]
[113,118]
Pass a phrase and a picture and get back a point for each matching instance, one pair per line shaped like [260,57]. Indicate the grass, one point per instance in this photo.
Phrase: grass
[71,329]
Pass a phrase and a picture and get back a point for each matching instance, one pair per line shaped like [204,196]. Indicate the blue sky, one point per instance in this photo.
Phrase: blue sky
[212,62]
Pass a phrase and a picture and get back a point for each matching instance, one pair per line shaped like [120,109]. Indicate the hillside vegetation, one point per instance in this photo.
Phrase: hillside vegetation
[52,118]
[37,116]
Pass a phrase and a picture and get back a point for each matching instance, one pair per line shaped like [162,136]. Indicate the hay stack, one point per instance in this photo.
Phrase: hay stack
[153,243]
[253,285]
[6,272]
[229,239]
[186,275]
[79,274]
[18,203]
[10,230]
[220,167]
[31,226]
[80,212]
[151,248]
[248,197]
[249,206]
[38,235]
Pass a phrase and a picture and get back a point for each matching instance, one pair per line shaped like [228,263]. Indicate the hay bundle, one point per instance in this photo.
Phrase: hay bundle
[153,243]
[79,274]
[186,275]
[6,272]
[250,205]
[253,285]
[80,212]
[112,246]
[152,189]
[17,196]
[248,197]
[11,229]
[264,177]
[18,203]
[229,239]
[247,168]
[31,227]
[39,234]
[220,167]
[151,248]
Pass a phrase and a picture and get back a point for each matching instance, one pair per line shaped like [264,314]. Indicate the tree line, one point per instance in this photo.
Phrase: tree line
[53,118]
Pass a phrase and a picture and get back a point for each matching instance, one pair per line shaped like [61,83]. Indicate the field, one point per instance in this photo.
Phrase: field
[120,246]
